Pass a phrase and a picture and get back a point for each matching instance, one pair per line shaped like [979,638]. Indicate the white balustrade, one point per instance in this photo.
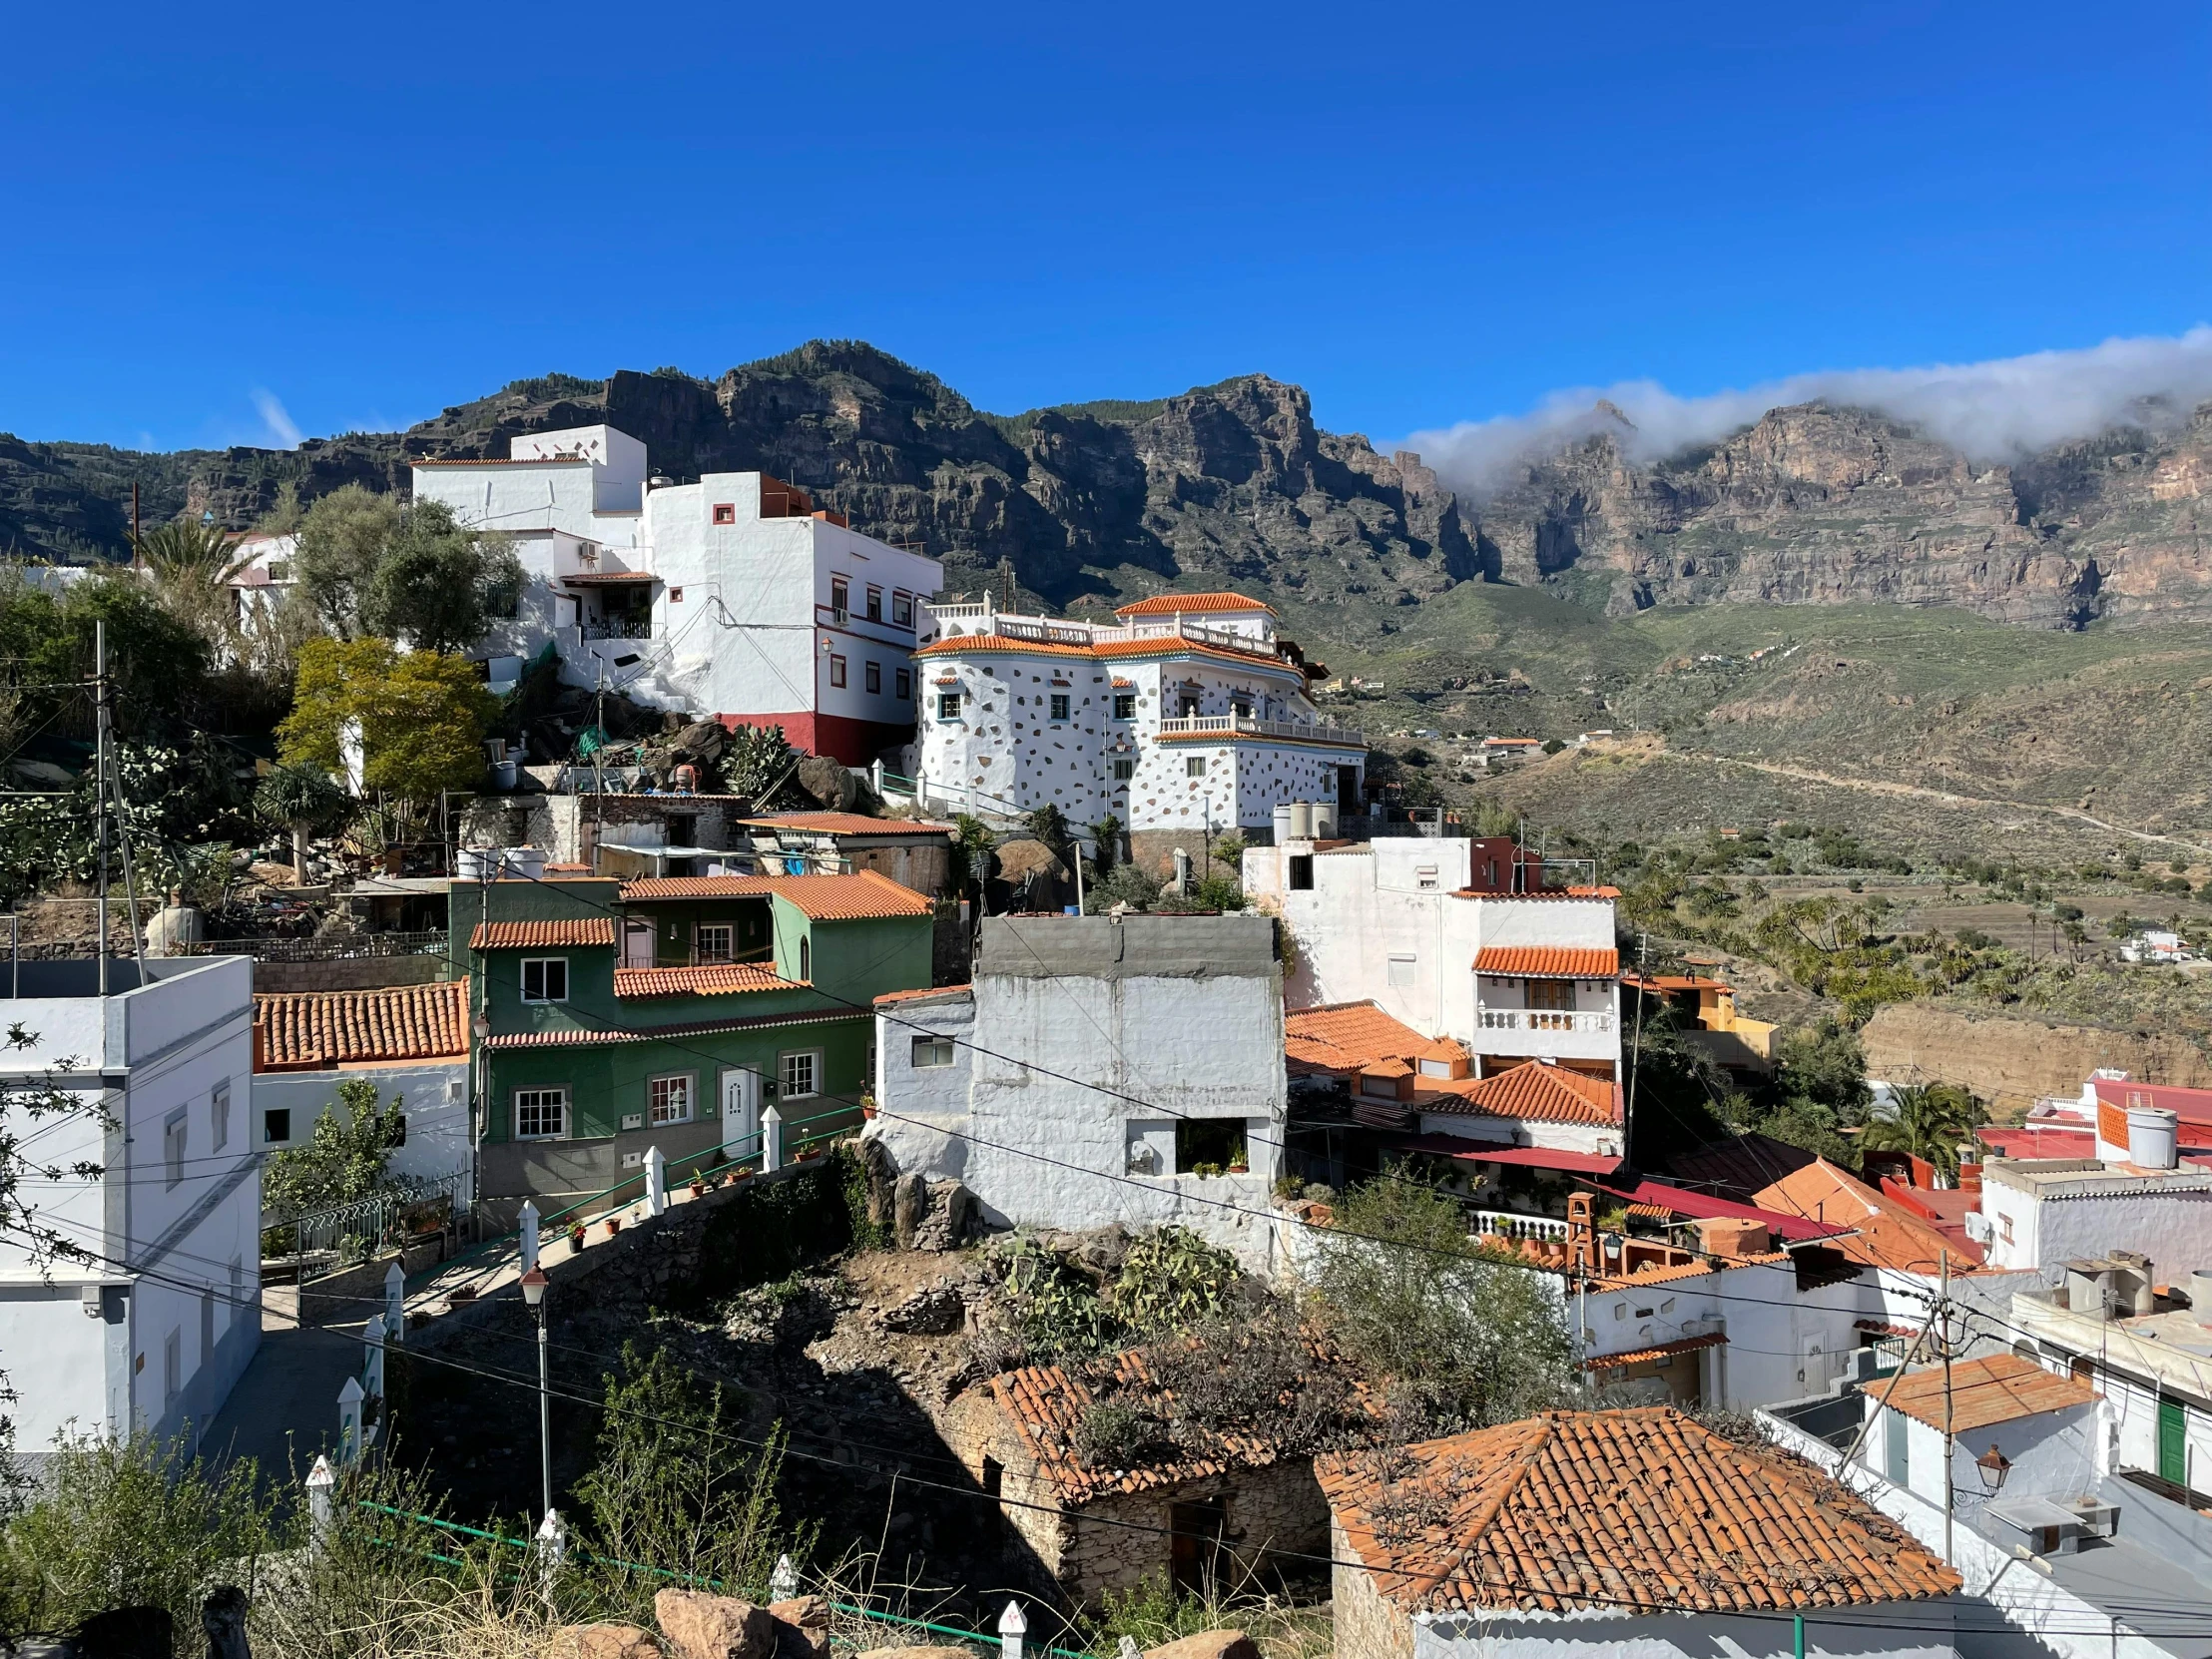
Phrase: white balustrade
[1541,1020]
[1506,1225]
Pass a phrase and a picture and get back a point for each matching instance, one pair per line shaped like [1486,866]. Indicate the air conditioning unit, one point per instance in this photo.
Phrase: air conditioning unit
[1978,1227]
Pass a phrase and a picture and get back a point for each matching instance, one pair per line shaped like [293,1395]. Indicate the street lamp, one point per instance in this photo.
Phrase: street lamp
[1993,1466]
[533,1291]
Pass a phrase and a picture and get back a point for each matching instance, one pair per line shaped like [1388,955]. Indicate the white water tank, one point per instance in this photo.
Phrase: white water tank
[1281,822]
[1302,820]
[2200,1294]
[1324,820]
[2152,1136]
[478,863]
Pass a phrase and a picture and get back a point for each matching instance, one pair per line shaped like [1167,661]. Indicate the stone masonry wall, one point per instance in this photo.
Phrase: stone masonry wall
[1366,1626]
[1122,1539]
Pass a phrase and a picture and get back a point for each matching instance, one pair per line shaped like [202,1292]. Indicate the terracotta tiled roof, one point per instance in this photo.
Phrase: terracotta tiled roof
[332,1028]
[542,936]
[1636,1356]
[847,824]
[661,1033]
[1167,645]
[820,898]
[894,997]
[1345,1036]
[1190,604]
[1622,1513]
[1885,1233]
[1550,1094]
[1549,961]
[1983,1393]
[712,979]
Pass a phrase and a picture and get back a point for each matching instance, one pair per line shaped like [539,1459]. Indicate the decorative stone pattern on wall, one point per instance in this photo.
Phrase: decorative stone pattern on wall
[1365,1625]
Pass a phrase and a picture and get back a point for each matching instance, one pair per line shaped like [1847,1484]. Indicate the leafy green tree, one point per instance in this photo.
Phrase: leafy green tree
[343,539]
[188,565]
[345,1159]
[1106,834]
[972,845]
[303,802]
[422,716]
[1458,1340]
[439,586]
[1929,1121]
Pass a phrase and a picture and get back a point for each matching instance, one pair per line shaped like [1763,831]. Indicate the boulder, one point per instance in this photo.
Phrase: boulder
[921,1652]
[933,1311]
[602,1641]
[1210,1644]
[1019,858]
[802,1628]
[701,1626]
[828,782]
[882,1172]
[931,1215]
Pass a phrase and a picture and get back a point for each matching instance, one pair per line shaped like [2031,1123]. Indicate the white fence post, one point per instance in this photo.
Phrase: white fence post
[395,1305]
[372,1356]
[656,1181]
[1011,1628]
[350,1423]
[771,1140]
[529,1229]
[320,1480]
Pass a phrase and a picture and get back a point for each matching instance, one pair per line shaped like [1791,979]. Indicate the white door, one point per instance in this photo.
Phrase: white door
[637,944]
[741,1113]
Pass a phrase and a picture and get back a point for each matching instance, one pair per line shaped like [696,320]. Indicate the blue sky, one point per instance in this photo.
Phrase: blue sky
[334,217]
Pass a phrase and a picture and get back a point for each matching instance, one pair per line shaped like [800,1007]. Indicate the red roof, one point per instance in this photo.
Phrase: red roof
[864,895]
[2164,1097]
[1528,1157]
[1886,1233]
[543,935]
[1705,1207]
[321,1029]
[1549,961]
[1980,1394]
[1638,1356]
[1534,1091]
[711,979]
[1191,604]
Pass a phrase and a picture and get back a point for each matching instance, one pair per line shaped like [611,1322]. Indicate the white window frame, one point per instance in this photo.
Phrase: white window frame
[1403,972]
[542,963]
[1129,698]
[948,705]
[1059,704]
[931,1051]
[176,1135]
[218,1114]
[658,1112]
[786,1070]
[556,1097]
[728,931]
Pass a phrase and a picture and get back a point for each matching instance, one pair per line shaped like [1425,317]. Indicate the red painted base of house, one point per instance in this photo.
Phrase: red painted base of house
[854,741]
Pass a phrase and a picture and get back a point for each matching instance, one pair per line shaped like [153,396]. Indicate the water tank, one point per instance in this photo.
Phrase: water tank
[1282,822]
[505,773]
[1302,820]
[1324,820]
[478,863]
[2150,1137]
[2200,1294]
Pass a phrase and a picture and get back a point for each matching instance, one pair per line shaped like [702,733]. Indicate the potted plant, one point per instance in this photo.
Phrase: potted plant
[614,1226]
[867,1107]
[576,1234]
[697,1184]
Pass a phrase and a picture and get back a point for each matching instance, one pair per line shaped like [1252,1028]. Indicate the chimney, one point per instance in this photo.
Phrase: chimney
[1731,1236]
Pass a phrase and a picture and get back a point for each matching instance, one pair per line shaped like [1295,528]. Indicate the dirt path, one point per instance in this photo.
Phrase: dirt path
[1941,797]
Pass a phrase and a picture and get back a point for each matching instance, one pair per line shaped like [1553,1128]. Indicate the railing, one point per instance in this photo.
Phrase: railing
[335,947]
[1050,632]
[1541,1020]
[1247,725]
[622,628]
[961,611]
[358,1229]
[1506,1225]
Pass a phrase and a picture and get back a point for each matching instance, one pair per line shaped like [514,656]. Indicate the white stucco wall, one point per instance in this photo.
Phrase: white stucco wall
[2174,1228]
[1920,1631]
[434,1094]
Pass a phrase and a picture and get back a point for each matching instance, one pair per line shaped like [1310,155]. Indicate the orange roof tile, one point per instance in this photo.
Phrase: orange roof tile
[1549,961]
[1549,1094]
[1983,1393]
[1191,603]
[1343,1036]
[924,991]
[708,979]
[861,896]
[332,1028]
[1620,1512]
[1884,1234]
[848,823]
[542,936]
[1637,1356]
[1167,645]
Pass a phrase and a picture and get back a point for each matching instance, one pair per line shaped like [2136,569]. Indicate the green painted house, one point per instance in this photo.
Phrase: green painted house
[613,1016]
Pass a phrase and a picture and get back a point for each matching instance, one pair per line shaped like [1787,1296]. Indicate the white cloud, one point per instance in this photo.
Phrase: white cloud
[1993,412]
[282,433]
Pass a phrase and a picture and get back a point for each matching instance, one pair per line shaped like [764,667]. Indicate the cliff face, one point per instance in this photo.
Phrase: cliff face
[1233,484]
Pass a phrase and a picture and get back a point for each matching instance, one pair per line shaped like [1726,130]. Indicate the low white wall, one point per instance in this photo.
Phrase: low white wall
[1895,1630]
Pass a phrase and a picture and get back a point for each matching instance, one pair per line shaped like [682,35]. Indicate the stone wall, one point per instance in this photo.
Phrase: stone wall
[1119,1540]
[353,974]
[1366,1626]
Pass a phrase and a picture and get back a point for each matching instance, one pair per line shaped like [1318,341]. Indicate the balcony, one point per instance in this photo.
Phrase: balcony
[619,628]
[1542,1019]
[1247,725]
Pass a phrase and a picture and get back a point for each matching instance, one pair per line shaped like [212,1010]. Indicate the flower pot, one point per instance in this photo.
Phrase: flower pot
[614,1226]
[1240,1168]
[576,1237]
[697,1185]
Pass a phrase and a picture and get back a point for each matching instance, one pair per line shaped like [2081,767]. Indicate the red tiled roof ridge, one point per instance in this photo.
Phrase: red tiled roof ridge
[1173,604]
[857,824]
[303,1029]
[543,934]
[1550,962]
[702,979]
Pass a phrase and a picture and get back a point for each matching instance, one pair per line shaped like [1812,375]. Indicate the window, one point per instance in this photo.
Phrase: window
[874,677]
[207,1322]
[1550,993]
[725,512]
[806,959]
[1216,1142]
[541,1114]
[173,1144]
[1241,707]
[1195,767]
[933,1051]
[1124,770]
[545,979]
[669,1099]
[277,1126]
[1402,970]
[906,683]
[948,705]
[713,942]
[1188,707]
[836,670]
[902,609]
[995,1477]
[676,596]
[1059,705]
[1302,872]
[1125,704]
[173,1366]
[841,600]
[2005,1226]
[876,604]
[802,1075]
[220,1113]
[1900,1460]
[1425,877]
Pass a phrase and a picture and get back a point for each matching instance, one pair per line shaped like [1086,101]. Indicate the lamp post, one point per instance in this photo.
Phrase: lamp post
[1993,1466]
[533,1291]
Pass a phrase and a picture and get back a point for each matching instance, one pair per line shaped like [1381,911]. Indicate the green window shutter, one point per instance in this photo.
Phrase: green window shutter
[2173,1443]
[1900,1469]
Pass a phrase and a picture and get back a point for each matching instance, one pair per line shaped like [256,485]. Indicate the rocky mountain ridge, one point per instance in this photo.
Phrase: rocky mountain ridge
[1233,484]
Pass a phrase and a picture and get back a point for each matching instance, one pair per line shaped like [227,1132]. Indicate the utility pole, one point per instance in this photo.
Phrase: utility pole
[1636,1047]
[1950,1442]
[100,771]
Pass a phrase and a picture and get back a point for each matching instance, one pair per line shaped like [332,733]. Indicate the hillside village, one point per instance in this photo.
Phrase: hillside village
[1029,1114]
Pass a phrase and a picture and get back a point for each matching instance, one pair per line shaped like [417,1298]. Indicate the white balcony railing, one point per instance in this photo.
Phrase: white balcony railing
[1249,725]
[1506,1225]
[1541,1020]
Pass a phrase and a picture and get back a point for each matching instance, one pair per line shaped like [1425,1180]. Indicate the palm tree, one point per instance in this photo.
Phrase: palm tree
[191,565]
[1927,1120]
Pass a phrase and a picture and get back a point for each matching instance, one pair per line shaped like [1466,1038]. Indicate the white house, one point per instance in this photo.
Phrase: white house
[1596,1534]
[411,1041]
[153,1328]
[1434,931]
[732,596]
[1190,714]
[2040,1212]
[1099,1069]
